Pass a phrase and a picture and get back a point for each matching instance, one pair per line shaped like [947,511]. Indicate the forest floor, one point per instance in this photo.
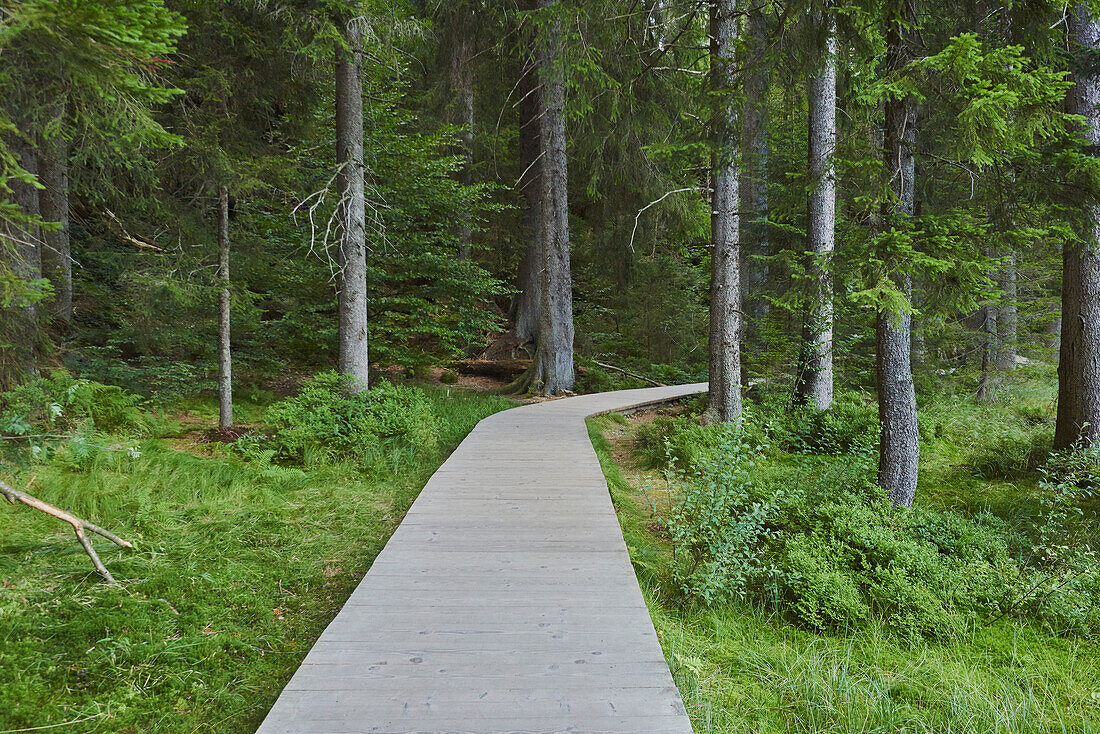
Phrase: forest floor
[237,568]
[741,668]
[240,565]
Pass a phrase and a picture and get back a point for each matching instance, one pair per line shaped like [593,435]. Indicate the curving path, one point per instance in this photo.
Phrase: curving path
[504,602]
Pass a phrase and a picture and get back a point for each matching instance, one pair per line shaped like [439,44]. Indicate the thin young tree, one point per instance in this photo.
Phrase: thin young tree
[54,204]
[461,26]
[899,445]
[815,384]
[525,306]
[225,353]
[352,254]
[987,315]
[754,166]
[21,253]
[724,392]
[1078,421]
[1008,317]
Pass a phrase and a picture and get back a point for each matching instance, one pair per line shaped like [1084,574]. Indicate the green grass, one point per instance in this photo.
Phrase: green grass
[744,669]
[237,569]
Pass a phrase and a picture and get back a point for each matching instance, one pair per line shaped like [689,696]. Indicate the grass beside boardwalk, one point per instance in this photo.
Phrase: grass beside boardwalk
[745,669]
[238,567]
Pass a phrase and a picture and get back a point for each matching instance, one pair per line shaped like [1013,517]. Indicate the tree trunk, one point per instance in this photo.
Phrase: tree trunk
[1078,421]
[754,170]
[553,365]
[899,446]
[21,249]
[724,396]
[225,355]
[56,248]
[988,316]
[1053,339]
[352,281]
[815,385]
[1008,317]
[462,86]
[525,306]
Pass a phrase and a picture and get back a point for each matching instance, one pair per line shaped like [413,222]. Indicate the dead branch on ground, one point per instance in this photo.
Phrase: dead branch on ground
[12,494]
[628,373]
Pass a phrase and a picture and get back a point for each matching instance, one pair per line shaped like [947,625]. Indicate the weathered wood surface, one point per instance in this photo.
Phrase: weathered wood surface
[504,602]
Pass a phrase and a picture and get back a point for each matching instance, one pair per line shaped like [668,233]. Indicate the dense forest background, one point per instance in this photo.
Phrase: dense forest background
[144,140]
[253,253]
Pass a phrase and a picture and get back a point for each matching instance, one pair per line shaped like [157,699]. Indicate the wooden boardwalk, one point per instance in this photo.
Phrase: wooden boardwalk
[504,602]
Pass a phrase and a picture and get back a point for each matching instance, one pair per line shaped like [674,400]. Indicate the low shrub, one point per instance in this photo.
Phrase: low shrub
[323,423]
[61,402]
[821,544]
[850,423]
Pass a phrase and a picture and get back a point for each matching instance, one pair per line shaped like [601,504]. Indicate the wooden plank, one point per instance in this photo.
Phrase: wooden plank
[504,602]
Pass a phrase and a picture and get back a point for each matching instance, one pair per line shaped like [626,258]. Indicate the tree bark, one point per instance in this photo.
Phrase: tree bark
[1053,331]
[754,170]
[553,364]
[225,355]
[352,281]
[988,316]
[525,306]
[724,393]
[1007,317]
[1078,421]
[815,384]
[56,247]
[462,87]
[899,445]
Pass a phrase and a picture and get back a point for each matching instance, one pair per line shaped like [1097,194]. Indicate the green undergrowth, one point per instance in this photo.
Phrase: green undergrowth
[903,655]
[239,561]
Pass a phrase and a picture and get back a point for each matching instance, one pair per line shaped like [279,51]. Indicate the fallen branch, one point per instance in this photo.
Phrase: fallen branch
[12,494]
[628,373]
[143,244]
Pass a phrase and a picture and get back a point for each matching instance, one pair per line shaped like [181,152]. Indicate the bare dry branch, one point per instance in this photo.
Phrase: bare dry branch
[628,373]
[135,241]
[12,494]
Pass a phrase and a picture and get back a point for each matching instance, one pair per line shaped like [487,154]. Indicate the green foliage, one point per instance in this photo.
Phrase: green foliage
[849,425]
[1000,100]
[238,567]
[811,536]
[322,423]
[60,403]
[719,522]
[746,669]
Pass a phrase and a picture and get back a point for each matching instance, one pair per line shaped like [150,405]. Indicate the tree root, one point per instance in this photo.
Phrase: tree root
[525,384]
[12,494]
